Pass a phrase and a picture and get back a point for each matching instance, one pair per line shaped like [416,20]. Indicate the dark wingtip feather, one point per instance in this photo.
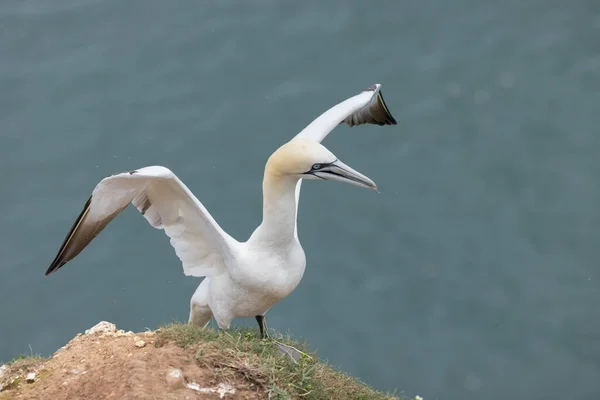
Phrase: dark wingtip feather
[389,119]
[55,266]
[375,112]
[60,258]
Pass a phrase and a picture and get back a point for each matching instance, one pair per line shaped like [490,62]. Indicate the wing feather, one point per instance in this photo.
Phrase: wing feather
[167,204]
[367,107]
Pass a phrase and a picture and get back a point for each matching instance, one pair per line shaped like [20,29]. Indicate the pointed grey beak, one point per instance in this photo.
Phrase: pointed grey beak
[338,171]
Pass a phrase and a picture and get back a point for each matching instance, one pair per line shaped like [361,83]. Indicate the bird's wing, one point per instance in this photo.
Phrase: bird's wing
[368,107]
[166,203]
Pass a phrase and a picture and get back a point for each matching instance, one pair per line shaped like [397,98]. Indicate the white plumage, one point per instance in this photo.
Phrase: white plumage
[243,279]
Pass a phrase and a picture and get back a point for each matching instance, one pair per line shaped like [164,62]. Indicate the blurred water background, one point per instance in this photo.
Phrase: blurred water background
[473,275]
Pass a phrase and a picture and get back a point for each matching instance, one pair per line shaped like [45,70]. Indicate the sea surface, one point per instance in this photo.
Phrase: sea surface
[474,274]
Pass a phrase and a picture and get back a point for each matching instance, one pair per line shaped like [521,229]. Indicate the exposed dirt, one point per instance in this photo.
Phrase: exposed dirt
[109,364]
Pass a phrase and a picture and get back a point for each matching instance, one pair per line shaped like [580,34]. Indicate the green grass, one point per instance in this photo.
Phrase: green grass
[24,360]
[17,368]
[241,354]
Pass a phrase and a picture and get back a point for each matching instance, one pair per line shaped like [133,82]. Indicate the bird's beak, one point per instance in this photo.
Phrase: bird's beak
[338,171]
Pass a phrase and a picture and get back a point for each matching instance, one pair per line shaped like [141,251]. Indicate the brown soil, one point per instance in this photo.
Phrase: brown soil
[117,365]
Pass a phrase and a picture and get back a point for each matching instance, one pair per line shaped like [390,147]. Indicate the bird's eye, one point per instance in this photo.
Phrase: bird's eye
[317,166]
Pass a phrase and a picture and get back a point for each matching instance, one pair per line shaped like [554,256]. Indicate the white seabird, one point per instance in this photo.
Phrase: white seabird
[242,279]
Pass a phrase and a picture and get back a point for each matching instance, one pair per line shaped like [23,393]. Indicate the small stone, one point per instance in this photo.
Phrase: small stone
[148,333]
[140,344]
[175,378]
[222,389]
[3,370]
[30,378]
[1,387]
[102,327]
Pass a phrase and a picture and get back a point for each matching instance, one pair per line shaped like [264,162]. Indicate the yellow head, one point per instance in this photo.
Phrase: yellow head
[307,159]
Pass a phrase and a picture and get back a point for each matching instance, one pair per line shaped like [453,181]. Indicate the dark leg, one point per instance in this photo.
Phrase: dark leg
[262,325]
[294,353]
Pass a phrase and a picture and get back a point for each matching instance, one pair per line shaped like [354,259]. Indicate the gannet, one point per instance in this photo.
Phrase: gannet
[242,279]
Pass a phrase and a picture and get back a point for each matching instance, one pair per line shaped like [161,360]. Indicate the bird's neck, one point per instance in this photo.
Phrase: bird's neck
[279,209]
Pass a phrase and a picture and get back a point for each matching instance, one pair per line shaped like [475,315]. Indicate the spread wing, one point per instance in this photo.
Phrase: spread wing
[166,203]
[368,107]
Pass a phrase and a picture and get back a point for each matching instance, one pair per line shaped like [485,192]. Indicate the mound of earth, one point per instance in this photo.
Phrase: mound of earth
[177,361]
[106,363]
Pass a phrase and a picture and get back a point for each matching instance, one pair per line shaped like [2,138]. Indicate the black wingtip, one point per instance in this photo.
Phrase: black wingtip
[54,267]
[60,260]
[389,119]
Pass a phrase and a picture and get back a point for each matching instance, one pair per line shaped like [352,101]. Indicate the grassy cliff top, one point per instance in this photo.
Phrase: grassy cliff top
[178,361]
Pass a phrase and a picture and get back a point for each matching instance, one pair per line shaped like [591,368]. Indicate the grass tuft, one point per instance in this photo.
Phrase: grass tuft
[241,353]
[24,361]
[18,367]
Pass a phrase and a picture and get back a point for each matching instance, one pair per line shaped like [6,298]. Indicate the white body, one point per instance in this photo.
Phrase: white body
[261,271]
[259,278]
[243,279]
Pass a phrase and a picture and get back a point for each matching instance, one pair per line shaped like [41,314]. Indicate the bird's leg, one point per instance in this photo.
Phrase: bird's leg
[262,325]
[288,350]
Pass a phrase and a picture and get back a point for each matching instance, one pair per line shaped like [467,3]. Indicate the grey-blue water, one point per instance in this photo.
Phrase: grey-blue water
[473,275]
